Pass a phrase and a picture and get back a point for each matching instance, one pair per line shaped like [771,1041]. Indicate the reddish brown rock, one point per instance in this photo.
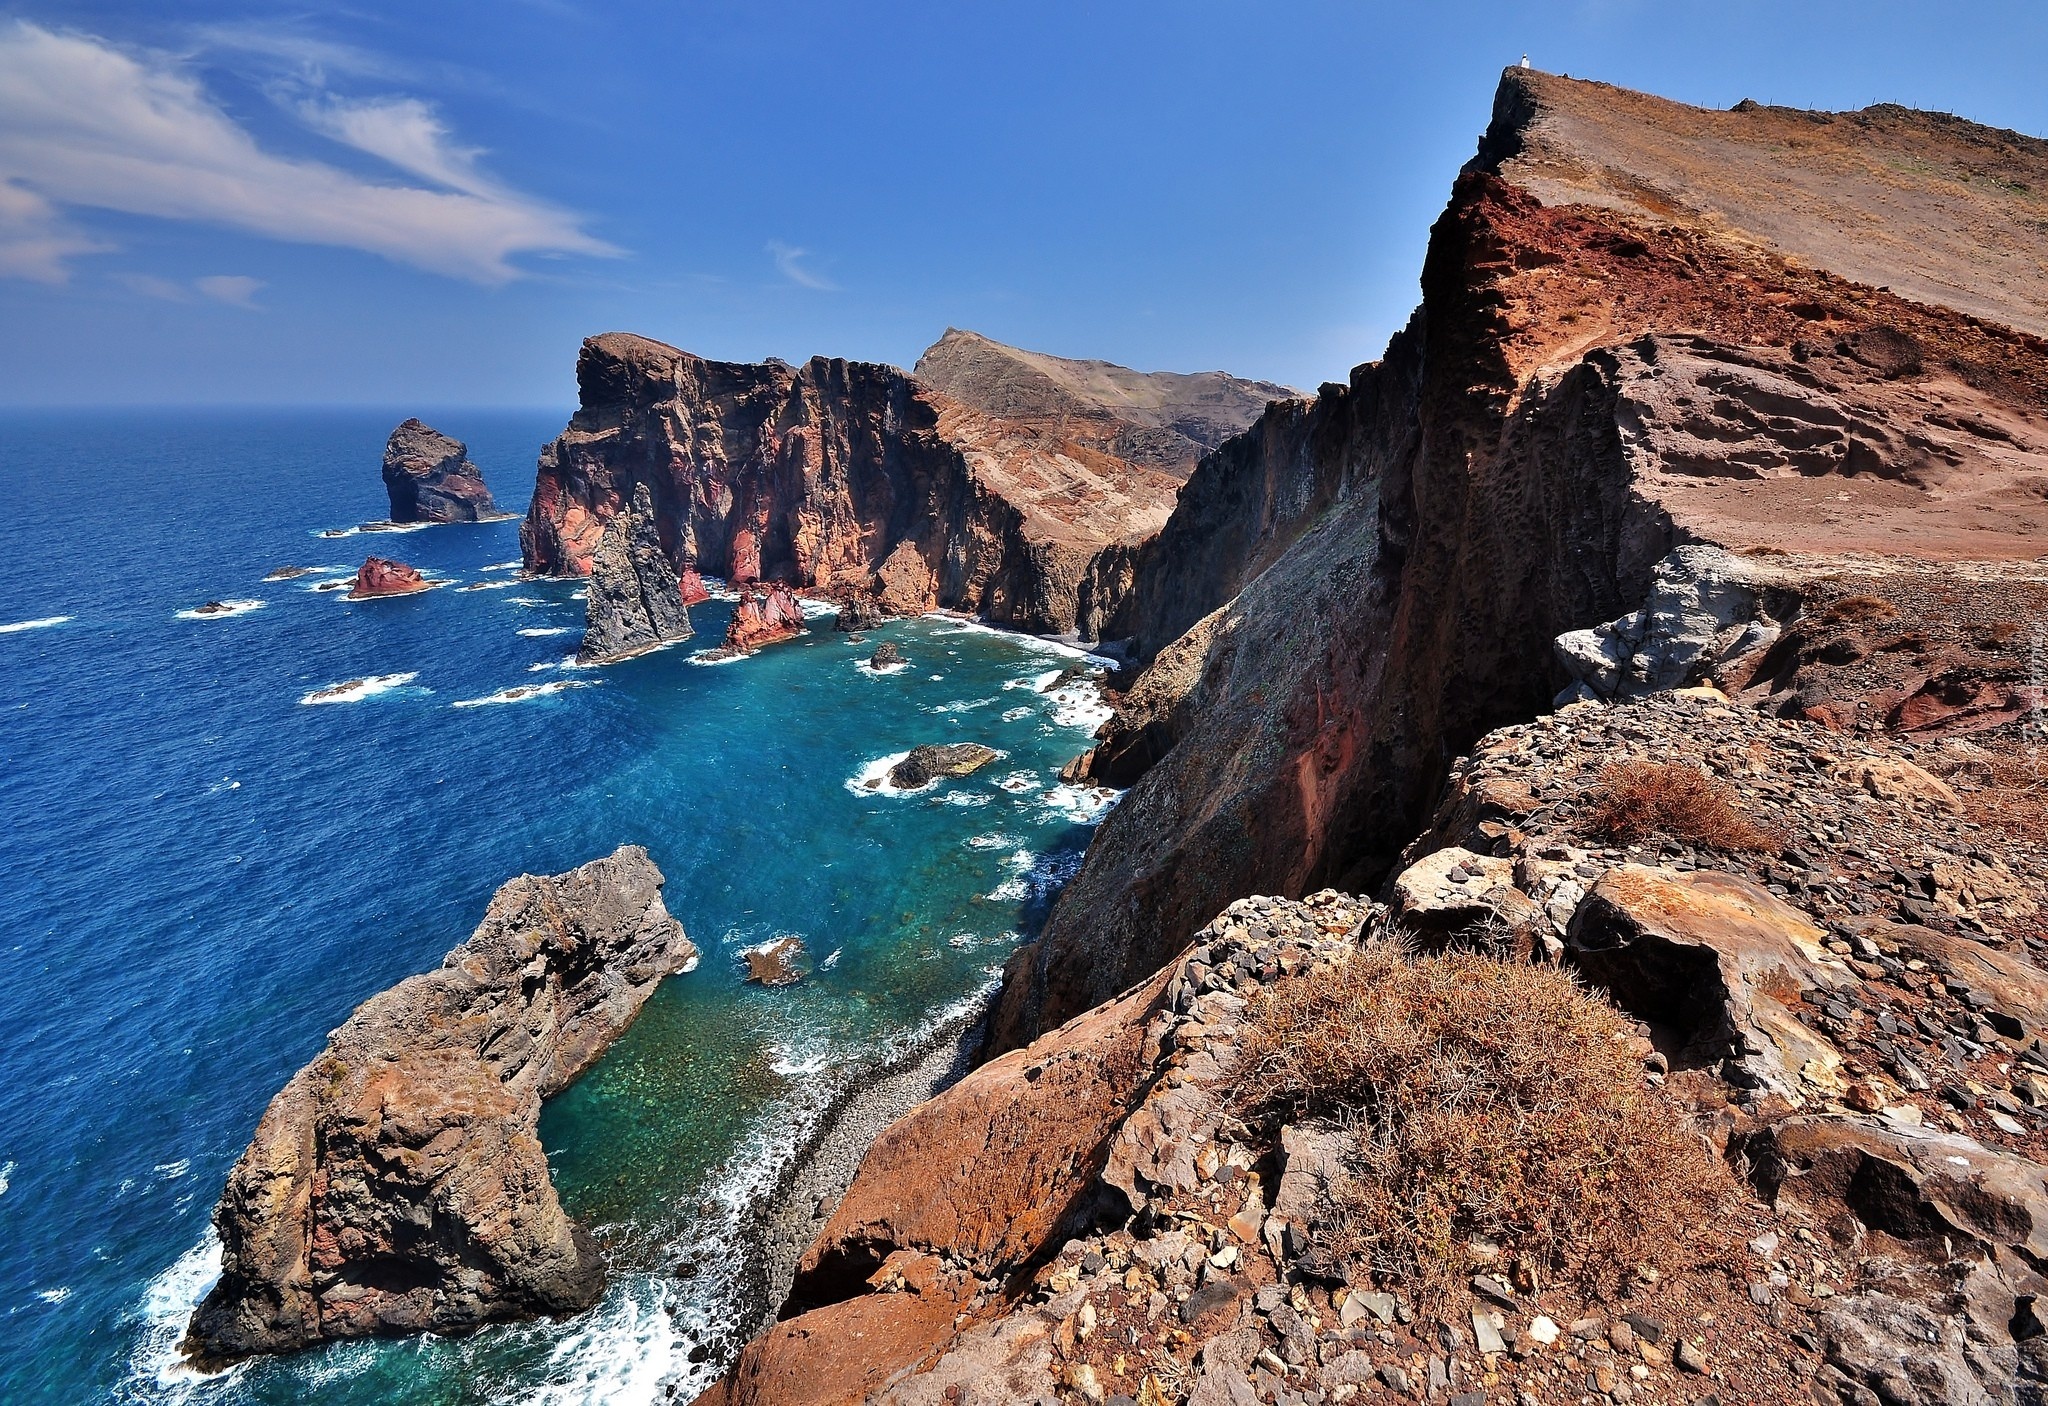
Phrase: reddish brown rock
[379,576]
[764,615]
[397,1184]
[995,495]
[692,587]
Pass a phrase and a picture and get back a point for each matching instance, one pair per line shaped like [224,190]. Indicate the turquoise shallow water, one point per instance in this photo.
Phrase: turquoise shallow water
[201,874]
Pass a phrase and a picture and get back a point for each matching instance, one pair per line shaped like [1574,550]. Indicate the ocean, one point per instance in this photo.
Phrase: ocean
[205,866]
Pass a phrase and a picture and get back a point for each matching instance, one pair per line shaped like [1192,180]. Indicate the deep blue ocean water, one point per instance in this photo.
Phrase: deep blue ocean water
[201,874]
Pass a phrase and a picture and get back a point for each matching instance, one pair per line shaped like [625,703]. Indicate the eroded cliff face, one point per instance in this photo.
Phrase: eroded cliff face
[852,479]
[1361,585]
[397,1184]
[429,478]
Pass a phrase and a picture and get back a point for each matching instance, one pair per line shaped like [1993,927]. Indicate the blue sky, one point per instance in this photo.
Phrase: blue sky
[431,204]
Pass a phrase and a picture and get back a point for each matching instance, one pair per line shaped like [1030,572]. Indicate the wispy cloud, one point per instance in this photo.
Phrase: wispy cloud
[234,289]
[84,124]
[789,259]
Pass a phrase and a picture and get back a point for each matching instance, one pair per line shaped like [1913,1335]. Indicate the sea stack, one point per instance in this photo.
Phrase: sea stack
[397,1184]
[635,601]
[764,615]
[430,478]
[380,576]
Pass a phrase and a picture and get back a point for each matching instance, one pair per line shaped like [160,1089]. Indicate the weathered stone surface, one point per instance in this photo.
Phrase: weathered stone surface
[397,1183]
[860,612]
[933,760]
[782,962]
[1456,896]
[1715,964]
[380,576]
[429,478]
[765,615]
[634,602]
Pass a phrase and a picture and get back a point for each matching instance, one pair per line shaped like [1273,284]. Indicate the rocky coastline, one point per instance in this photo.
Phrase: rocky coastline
[634,601]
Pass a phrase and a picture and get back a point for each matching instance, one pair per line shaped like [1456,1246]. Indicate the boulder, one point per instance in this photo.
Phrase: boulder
[379,576]
[861,612]
[781,962]
[1715,965]
[397,1184]
[692,587]
[634,601]
[1456,897]
[927,763]
[430,479]
[886,656]
[763,616]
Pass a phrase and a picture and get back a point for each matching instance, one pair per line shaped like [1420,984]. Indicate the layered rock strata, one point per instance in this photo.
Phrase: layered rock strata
[429,478]
[397,1183]
[849,479]
[1624,443]
[380,576]
[634,601]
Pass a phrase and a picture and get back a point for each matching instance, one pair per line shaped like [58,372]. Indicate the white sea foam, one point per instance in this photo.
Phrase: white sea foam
[340,585]
[156,1369]
[539,632]
[6,1177]
[961,941]
[959,705]
[1018,782]
[374,529]
[1037,643]
[992,840]
[543,666]
[1010,891]
[171,1171]
[1084,805]
[1017,715]
[1037,683]
[525,600]
[938,678]
[356,690]
[831,959]
[490,585]
[56,1295]
[524,692]
[966,798]
[502,566]
[881,671]
[1080,705]
[873,779]
[226,608]
[43,624]
[718,654]
[816,609]
[628,1351]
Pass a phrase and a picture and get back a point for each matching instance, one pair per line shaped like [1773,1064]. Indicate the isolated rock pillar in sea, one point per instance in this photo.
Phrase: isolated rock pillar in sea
[397,1184]
[634,602]
[430,478]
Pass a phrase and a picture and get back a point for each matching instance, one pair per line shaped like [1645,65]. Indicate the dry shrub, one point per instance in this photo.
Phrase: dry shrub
[1638,799]
[1489,1101]
[1857,610]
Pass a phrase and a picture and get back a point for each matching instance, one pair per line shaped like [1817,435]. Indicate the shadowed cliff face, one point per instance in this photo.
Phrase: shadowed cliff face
[1359,586]
[1016,496]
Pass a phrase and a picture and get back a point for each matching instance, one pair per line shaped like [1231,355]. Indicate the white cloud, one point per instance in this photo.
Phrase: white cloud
[83,124]
[234,289]
[789,259]
[150,286]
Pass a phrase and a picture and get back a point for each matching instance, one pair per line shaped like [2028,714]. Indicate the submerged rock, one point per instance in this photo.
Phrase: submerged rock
[289,573]
[783,962]
[380,576]
[634,602]
[949,759]
[764,615]
[430,478]
[397,1183]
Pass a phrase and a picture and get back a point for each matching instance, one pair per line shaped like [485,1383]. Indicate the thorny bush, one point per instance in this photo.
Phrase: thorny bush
[1639,799]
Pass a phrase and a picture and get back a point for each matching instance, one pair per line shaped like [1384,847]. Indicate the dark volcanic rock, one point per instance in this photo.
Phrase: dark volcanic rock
[860,612]
[430,478]
[931,761]
[886,656]
[763,616]
[380,576]
[634,602]
[397,1183]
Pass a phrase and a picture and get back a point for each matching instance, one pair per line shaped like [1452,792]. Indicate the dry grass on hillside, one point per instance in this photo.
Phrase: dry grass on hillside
[1639,799]
[1492,1102]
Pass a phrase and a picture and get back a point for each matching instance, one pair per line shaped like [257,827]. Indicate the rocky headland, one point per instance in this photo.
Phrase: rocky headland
[1002,482]
[397,1183]
[380,576]
[765,615]
[1692,1044]
[430,479]
[634,601]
